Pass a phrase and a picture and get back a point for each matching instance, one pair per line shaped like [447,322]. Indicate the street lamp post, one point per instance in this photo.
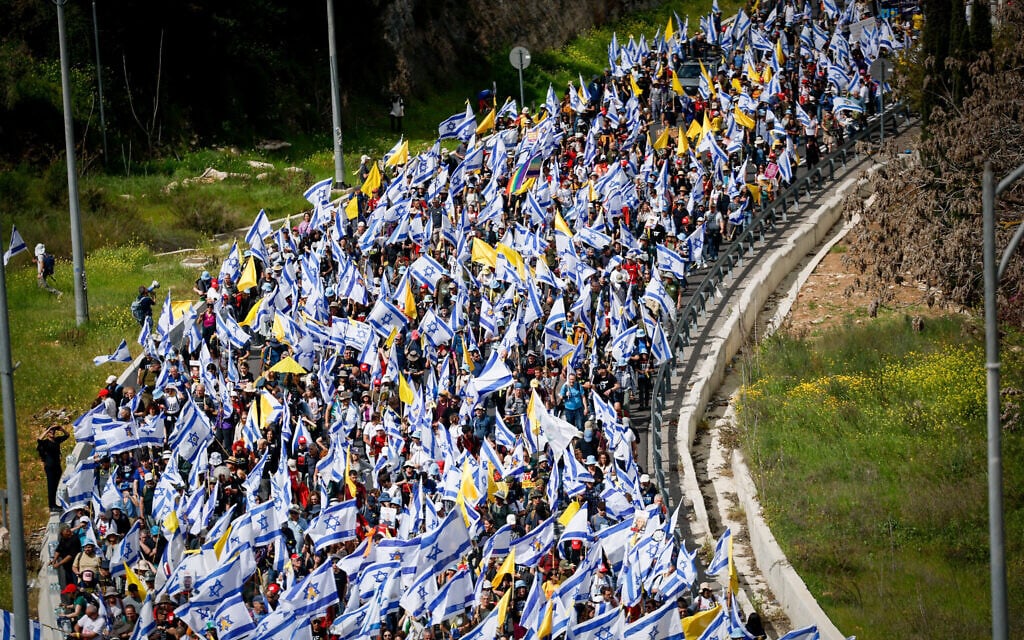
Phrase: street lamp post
[339,157]
[993,273]
[77,252]
[19,571]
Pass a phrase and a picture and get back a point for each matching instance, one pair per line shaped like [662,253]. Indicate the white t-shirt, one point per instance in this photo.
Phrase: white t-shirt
[96,626]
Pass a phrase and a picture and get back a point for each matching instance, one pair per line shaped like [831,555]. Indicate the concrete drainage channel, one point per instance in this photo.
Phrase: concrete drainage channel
[715,482]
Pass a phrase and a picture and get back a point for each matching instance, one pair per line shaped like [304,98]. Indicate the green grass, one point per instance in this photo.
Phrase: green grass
[54,356]
[868,449]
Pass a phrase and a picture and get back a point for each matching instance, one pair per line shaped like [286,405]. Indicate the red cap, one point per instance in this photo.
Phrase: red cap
[68,590]
[576,544]
[273,588]
[104,393]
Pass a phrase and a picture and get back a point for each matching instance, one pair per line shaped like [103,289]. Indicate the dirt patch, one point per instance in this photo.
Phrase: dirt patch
[833,295]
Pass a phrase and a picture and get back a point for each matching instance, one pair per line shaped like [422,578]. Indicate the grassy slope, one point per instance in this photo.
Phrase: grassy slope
[868,448]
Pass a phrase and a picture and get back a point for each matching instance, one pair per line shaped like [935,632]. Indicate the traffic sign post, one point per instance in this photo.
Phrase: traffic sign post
[520,59]
[881,68]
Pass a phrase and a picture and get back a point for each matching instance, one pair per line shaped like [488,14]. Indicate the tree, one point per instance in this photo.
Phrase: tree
[925,223]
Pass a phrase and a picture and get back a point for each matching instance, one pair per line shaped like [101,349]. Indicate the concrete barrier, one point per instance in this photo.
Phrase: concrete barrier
[723,345]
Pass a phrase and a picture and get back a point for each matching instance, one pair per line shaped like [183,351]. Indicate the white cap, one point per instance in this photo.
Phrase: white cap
[40,249]
[645,478]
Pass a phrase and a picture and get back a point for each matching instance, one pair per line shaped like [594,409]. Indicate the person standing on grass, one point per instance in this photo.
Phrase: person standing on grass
[44,269]
[397,113]
[48,446]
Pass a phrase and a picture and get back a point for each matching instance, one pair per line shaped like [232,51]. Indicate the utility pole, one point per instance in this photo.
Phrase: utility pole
[99,80]
[19,577]
[339,157]
[77,251]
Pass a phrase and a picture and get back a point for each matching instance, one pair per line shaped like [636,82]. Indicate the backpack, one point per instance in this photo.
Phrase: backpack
[137,311]
[48,264]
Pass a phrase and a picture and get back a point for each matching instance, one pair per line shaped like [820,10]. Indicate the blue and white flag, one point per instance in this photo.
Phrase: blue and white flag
[416,597]
[121,354]
[348,626]
[17,245]
[445,544]
[807,633]
[531,548]
[311,597]
[601,627]
[192,432]
[428,271]
[232,619]
[721,560]
[662,624]
[337,523]
[319,195]
[385,316]
[7,627]
[785,167]
[495,376]
[458,126]
[669,260]
[453,598]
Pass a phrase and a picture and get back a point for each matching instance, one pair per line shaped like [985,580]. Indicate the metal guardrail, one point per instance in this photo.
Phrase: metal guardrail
[731,257]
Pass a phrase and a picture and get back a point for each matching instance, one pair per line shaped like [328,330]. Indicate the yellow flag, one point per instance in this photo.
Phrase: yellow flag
[694,130]
[755,191]
[662,140]
[268,404]
[350,484]
[468,486]
[352,209]
[682,145]
[405,392]
[372,182]
[248,279]
[545,624]
[562,225]
[251,316]
[743,119]
[676,86]
[130,577]
[669,31]
[779,56]
[409,300]
[171,521]
[636,88]
[503,607]
[694,626]
[737,85]
[514,258]
[753,74]
[391,338]
[484,253]
[734,579]
[279,329]
[766,75]
[487,124]
[401,156]
[218,547]
[508,567]
[569,513]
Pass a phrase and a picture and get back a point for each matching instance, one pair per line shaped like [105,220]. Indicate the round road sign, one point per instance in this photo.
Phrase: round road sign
[519,57]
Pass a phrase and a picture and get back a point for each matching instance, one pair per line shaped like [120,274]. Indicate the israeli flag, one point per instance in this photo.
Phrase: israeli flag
[314,595]
[121,354]
[335,524]
[17,246]
[457,126]
[319,195]
[721,560]
[663,624]
[671,261]
[436,330]
[785,168]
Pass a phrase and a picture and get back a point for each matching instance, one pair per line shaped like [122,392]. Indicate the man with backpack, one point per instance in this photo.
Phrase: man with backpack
[45,263]
[142,306]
